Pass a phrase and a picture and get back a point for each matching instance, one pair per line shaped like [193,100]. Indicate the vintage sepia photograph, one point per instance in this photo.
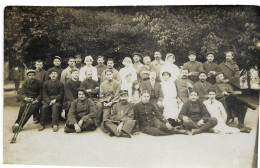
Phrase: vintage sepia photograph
[131,86]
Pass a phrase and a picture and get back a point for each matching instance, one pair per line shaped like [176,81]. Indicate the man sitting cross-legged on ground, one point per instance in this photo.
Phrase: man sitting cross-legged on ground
[52,93]
[195,115]
[71,91]
[217,110]
[91,87]
[30,93]
[81,114]
[150,120]
[121,119]
[235,106]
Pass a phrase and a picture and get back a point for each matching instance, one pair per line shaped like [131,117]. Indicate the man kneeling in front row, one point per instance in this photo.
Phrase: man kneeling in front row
[195,115]
[121,119]
[150,120]
[81,114]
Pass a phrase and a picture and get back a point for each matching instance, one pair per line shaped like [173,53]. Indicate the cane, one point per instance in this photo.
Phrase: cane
[25,112]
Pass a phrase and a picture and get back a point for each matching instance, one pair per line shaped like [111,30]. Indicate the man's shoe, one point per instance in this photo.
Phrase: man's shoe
[125,135]
[242,126]
[55,128]
[15,127]
[244,130]
[41,127]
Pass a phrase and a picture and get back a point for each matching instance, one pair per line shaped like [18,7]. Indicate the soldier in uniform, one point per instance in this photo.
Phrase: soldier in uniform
[155,90]
[109,94]
[53,94]
[195,115]
[66,73]
[137,64]
[71,90]
[235,106]
[202,87]
[150,120]
[41,74]
[81,114]
[193,66]
[211,68]
[121,121]
[157,63]
[231,71]
[100,67]
[30,93]
[78,61]
[144,72]
[110,65]
[56,67]
[91,87]
[184,86]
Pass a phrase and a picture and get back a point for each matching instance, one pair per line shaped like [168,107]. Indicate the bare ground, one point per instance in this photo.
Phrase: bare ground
[98,149]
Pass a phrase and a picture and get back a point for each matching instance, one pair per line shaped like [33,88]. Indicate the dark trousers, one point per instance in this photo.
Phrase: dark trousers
[208,124]
[16,84]
[99,107]
[53,112]
[112,127]
[157,128]
[32,109]
[235,107]
[86,126]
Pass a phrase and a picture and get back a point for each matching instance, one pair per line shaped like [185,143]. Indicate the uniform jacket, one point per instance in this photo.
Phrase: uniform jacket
[182,90]
[116,75]
[41,75]
[221,87]
[65,75]
[231,72]
[92,85]
[100,69]
[81,110]
[145,113]
[194,110]
[202,89]
[109,91]
[70,91]
[122,112]
[32,90]
[195,67]
[52,90]
[146,85]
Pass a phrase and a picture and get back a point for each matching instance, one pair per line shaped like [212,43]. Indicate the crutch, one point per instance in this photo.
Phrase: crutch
[25,112]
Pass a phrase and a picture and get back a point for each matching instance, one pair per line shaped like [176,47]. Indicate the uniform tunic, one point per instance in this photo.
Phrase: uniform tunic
[182,90]
[142,74]
[221,87]
[70,92]
[231,72]
[31,90]
[100,69]
[92,85]
[194,110]
[109,91]
[155,91]
[121,113]
[81,110]
[195,67]
[41,75]
[65,75]
[211,66]
[202,88]
[137,66]
[116,75]
[59,69]
[158,65]
[52,90]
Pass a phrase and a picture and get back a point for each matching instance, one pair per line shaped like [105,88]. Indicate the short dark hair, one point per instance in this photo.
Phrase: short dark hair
[38,60]
[193,91]
[70,58]
[108,70]
[110,59]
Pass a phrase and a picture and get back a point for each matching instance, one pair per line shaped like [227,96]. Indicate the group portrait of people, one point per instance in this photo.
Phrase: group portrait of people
[154,97]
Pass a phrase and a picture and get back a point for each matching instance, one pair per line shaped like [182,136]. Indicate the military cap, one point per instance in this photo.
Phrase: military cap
[57,57]
[122,92]
[202,72]
[218,73]
[30,71]
[136,53]
[192,52]
[210,52]
[53,70]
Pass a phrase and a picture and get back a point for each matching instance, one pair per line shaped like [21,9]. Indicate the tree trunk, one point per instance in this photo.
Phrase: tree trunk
[249,79]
